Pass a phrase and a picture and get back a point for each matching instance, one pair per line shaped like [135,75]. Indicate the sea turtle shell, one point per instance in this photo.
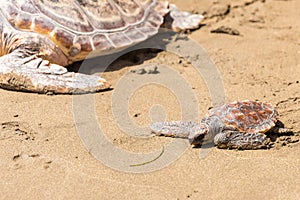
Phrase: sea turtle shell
[245,116]
[78,27]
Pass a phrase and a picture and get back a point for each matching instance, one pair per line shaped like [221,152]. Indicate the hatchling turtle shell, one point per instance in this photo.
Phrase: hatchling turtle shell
[245,116]
[40,37]
[240,125]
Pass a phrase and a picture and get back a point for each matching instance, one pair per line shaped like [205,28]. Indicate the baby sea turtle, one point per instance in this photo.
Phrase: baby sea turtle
[39,38]
[237,125]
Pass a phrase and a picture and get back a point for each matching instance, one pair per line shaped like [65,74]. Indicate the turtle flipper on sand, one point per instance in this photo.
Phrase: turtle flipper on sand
[237,125]
[40,38]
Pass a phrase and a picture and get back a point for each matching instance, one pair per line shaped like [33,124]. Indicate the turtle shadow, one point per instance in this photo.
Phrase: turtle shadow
[117,61]
[276,139]
[274,136]
[205,145]
[134,55]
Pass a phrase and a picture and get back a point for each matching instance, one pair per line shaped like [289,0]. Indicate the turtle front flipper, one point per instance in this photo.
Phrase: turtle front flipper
[181,20]
[178,129]
[240,140]
[194,132]
[34,74]
[25,66]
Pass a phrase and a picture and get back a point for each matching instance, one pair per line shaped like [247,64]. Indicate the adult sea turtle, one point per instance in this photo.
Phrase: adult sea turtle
[40,38]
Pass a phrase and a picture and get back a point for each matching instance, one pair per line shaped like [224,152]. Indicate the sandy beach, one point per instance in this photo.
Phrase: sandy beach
[43,138]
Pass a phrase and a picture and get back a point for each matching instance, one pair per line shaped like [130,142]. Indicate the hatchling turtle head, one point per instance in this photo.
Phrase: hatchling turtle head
[198,134]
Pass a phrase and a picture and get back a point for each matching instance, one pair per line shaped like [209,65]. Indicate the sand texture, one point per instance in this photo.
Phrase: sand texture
[255,48]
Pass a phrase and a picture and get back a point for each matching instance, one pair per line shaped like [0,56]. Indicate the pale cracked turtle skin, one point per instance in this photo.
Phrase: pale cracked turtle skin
[39,38]
[237,125]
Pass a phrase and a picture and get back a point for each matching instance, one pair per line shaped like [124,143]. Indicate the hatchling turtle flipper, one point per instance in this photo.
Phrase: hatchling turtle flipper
[178,129]
[239,140]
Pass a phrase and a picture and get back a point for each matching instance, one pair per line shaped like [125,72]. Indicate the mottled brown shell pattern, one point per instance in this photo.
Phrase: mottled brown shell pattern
[246,116]
[80,26]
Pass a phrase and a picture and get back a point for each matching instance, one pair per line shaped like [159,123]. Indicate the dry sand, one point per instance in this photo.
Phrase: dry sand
[43,157]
